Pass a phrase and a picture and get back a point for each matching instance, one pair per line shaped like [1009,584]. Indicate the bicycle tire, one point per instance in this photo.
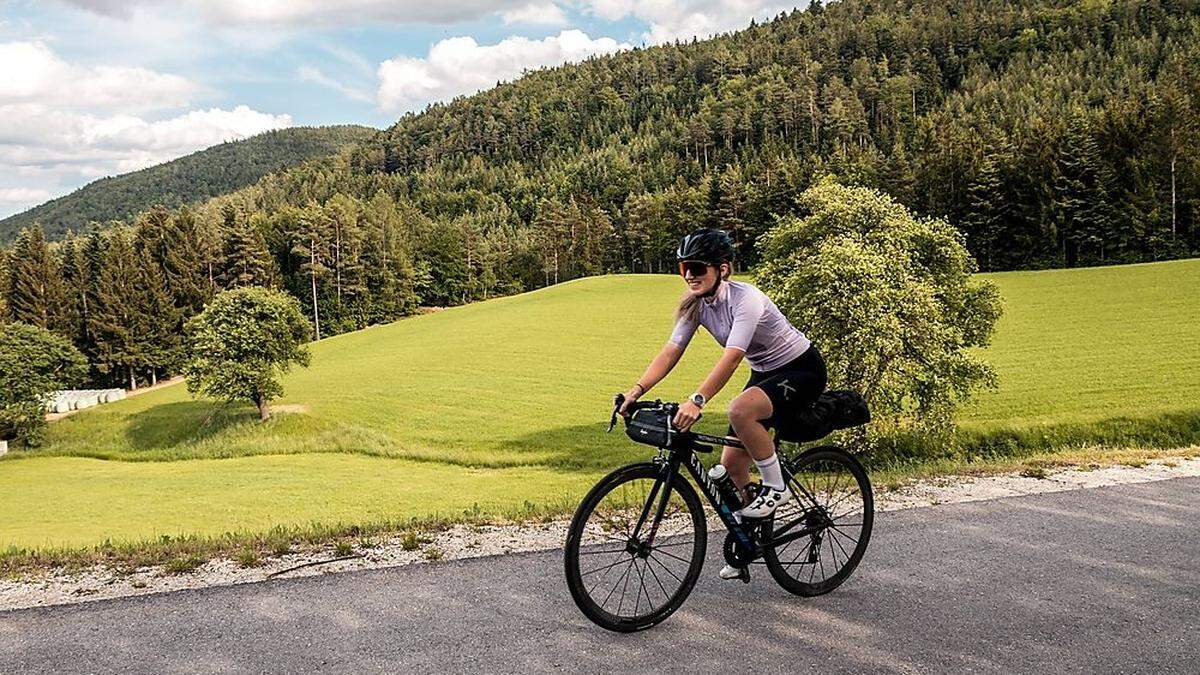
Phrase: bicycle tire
[781,570]
[581,594]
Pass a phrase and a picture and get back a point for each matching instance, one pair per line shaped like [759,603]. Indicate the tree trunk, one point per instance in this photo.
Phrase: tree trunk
[337,261]
[313,277]
[264,413]
[132,380]
[1173,159]
[153,377]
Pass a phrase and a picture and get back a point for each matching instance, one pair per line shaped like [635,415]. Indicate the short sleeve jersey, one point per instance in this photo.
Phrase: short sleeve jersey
[742,317]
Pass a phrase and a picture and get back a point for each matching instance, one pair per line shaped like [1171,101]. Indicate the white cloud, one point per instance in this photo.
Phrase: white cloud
[64,123]
[311,74]
[311,12]
[545,13]
[35,74]
[35,136]
[20,196]
[683,19]
[460,65]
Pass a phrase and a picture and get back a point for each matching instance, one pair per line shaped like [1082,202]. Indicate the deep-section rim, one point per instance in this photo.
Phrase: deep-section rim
[571,558]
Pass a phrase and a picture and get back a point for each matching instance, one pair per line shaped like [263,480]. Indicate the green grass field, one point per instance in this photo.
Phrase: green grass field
[493,405]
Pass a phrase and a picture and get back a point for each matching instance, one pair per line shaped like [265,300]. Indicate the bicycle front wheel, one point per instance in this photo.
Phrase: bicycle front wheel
[831,499]
[626,567]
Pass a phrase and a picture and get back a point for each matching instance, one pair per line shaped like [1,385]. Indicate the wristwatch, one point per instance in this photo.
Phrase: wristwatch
[698,399]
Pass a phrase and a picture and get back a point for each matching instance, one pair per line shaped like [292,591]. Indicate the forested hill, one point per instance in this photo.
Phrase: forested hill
[1051,133]
[194,178]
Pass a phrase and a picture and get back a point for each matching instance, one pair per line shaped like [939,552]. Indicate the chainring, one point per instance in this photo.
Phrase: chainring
[736,553]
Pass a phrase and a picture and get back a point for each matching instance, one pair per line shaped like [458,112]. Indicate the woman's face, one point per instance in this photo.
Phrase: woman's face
[700,278]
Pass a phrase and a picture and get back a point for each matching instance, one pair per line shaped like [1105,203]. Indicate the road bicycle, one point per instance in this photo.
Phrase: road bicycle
[637,542]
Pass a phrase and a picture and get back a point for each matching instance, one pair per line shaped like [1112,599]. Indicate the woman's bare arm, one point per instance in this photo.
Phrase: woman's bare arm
[662,364]
[721,372]
[717,378]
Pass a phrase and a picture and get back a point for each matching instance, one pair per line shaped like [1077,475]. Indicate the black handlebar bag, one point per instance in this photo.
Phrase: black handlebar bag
[649,426]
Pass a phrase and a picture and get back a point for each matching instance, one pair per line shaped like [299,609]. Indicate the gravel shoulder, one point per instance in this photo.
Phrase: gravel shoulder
[471,541]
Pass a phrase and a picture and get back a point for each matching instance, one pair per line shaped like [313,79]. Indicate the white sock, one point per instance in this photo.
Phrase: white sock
[769,469]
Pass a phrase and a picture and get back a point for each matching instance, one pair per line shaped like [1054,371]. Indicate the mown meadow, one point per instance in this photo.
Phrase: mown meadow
[498,408]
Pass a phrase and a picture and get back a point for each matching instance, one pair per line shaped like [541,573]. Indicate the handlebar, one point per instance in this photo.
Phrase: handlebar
[619,399]
[671,408]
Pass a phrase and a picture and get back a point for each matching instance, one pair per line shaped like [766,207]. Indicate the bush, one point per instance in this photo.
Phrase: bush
[890,301]
[242,341]
[33,363]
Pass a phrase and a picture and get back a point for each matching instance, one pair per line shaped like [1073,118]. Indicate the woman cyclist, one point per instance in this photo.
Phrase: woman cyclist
[787,373]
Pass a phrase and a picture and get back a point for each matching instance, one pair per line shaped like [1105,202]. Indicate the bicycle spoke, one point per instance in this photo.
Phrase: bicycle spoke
[614,550]
[668,569]
[689,542]
[584,574]
[614,588]
[839,544]
[660,583]
[671,555]
[829,508]
[821,559]
[637,597]
[853,539]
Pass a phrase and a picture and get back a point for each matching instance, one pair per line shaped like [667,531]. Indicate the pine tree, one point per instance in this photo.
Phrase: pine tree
[34,293]
[182,263]
[160,322]
[116,319]
[310,248]
[73,269]
[246,261]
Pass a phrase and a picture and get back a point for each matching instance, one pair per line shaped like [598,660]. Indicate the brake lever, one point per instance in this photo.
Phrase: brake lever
[618,400]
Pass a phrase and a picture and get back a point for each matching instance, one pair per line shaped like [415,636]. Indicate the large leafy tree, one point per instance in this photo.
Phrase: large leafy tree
[33,363]
[241,343]
[890,300]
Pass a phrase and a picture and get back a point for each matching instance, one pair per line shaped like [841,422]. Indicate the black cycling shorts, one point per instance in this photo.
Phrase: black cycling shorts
[792,388]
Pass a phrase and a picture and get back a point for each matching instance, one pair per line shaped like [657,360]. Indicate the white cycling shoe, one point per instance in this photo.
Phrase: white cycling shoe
[729,573]
[765,502]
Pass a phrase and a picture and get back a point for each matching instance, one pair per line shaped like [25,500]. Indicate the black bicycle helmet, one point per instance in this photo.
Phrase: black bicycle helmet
[706,245]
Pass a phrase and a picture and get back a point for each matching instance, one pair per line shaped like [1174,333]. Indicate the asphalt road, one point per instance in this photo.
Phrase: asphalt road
[1103,580]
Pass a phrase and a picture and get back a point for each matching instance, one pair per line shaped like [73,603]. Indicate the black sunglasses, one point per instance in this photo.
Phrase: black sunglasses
[696,267]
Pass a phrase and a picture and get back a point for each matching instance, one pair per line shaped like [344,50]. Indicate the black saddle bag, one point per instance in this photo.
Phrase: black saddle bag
[832,410]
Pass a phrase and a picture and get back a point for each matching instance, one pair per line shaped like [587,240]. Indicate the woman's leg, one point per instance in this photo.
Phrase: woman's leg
[745,414]
[737,463]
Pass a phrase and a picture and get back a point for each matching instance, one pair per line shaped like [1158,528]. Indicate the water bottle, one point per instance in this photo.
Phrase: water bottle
[730,498]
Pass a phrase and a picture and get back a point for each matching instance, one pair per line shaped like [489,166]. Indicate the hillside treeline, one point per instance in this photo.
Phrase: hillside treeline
[123,293]
[1051,133]
[194,178]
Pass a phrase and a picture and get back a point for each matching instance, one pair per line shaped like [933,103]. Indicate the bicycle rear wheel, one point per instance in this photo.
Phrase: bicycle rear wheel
[620,578]
[832,497]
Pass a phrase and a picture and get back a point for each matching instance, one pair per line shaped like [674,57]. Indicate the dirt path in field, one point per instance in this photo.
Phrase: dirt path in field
[469,541]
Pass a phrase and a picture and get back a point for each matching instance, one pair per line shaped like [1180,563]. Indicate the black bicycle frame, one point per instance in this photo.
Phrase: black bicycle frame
[686,453]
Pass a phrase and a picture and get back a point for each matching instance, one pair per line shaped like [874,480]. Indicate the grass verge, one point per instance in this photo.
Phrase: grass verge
[176,555]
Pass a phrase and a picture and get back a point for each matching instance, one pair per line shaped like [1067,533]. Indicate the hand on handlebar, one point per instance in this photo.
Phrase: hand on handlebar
[629,397]
[688,414]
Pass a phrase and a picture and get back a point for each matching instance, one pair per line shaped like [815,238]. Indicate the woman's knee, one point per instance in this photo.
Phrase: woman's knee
[747,410]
